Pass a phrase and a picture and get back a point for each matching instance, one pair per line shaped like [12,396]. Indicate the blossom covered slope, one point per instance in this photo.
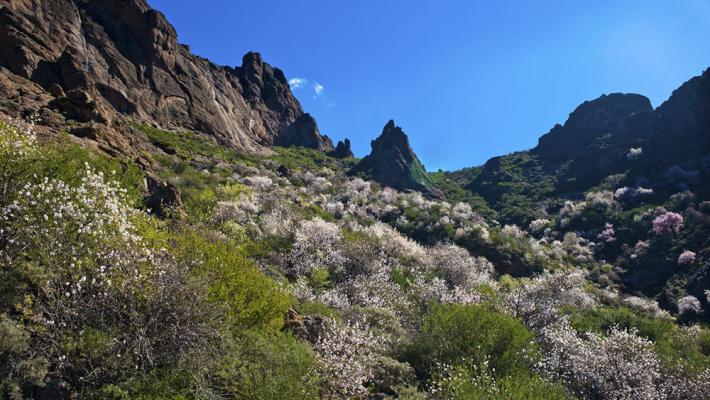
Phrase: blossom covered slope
[283,277]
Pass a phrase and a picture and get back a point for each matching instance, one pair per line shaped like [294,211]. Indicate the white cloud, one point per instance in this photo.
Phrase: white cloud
[303,83]
[297,83]
[317,89]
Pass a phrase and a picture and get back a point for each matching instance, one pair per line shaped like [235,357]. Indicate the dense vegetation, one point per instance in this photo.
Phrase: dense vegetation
[281,277]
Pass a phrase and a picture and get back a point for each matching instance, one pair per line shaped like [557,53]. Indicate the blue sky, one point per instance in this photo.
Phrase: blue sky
[467,80]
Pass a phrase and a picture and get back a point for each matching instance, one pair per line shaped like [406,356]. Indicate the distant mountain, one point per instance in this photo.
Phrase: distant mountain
[99,62]
[392,162]
[611,135]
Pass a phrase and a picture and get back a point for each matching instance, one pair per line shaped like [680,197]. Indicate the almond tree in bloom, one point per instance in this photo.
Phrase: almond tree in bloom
[689,305]
[607,235]
[96,272]
[316,245]
[686,258]
[667,224]
[538,301]
[346,355]
[458,268]
[620,365]
[17,150]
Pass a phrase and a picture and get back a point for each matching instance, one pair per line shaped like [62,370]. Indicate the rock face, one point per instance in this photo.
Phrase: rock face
[342,150]
[595,139]
[682,123]
[102,60]
[304,132]
[308,328]
[606,115]
[392,162]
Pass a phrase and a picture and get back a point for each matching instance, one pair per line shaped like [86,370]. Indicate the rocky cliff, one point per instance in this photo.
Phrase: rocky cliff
[100,62]
[392,162]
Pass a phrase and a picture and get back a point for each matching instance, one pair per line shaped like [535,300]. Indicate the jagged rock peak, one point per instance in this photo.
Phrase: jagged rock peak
[392,162]
[393,137]
[124,60]
[342,149]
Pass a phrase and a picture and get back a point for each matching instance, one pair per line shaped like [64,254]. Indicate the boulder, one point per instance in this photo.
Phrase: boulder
[159,196]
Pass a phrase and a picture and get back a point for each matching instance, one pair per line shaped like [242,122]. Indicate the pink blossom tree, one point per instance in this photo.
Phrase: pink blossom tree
[668,223]
[686,258]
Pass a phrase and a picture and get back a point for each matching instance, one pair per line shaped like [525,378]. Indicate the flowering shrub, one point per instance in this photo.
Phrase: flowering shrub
[689,305]
[627,193]
[634,153]
[96,273]
[538,302]
[667,224]
[640,248]
[17,148]
[539,225]
[513,231]
[346,356]
[467,380]
[258,182]
[686,258]
[356,190]
[620,365]
[458,269]
[388,195]
[64,223]
[315,245]
[645,305]
[607,235]
[376,290]
[604,198]
[240,211]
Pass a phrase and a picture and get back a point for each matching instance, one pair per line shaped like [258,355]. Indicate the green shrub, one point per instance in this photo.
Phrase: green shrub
[466,381]
[474,332]
[265,367]
[250,300]
[601,320]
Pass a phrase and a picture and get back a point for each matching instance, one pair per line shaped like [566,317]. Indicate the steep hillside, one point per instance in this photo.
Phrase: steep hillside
[282,277]
[172,229]
[611,174]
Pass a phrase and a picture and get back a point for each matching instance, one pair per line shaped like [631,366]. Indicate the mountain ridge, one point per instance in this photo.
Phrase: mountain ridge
[595,142]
